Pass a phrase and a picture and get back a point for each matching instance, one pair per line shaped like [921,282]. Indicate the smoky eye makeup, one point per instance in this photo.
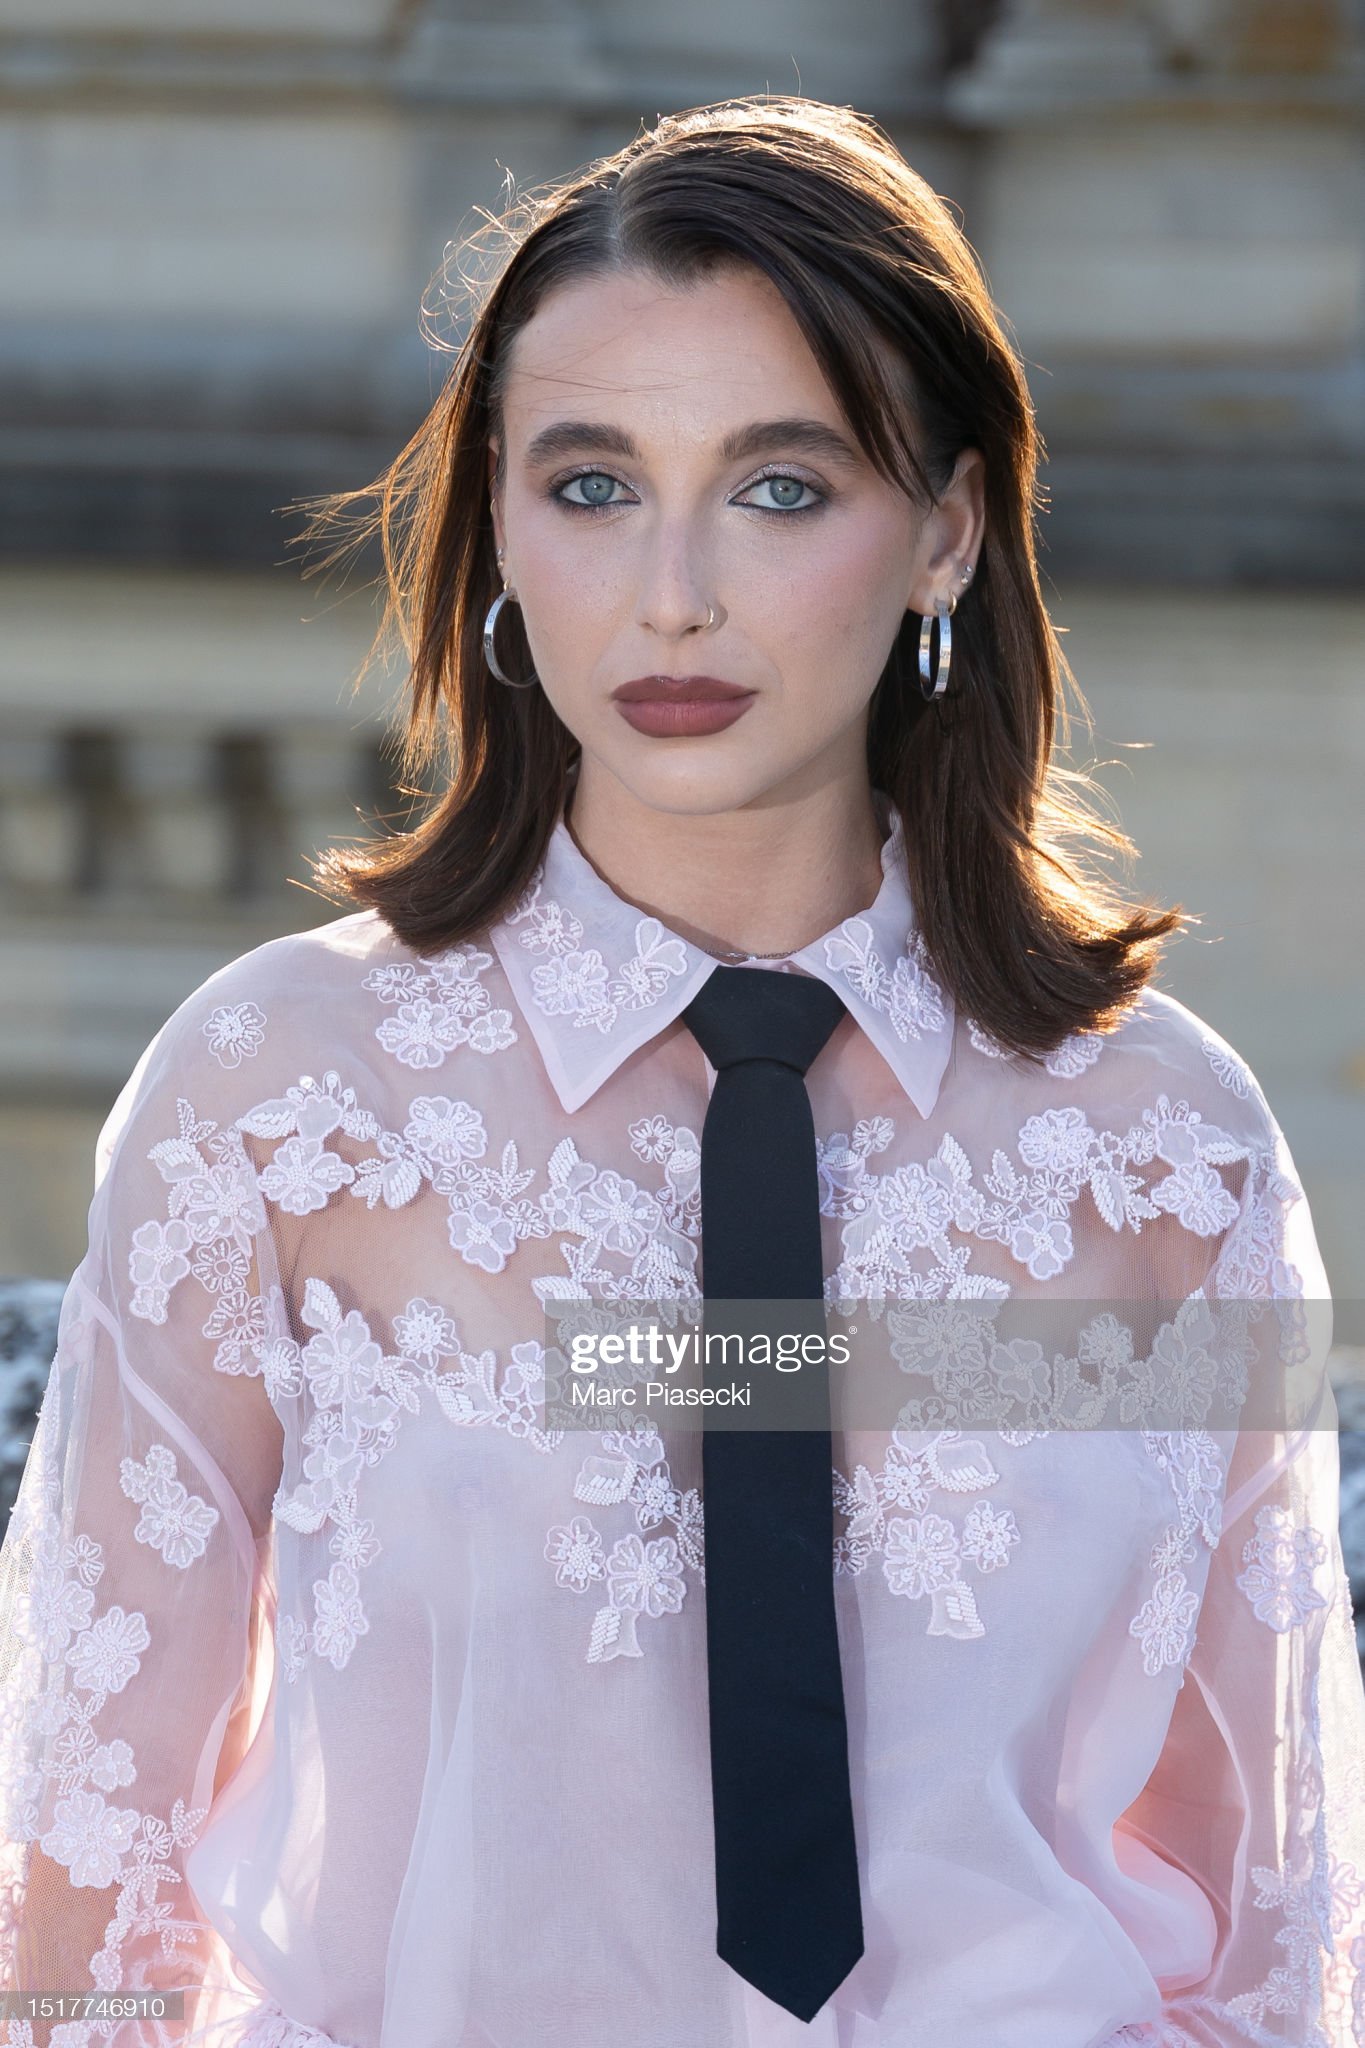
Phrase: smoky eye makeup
[591,489]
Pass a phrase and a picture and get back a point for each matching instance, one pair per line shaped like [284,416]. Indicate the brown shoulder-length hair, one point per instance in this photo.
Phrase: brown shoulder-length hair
[1028,936]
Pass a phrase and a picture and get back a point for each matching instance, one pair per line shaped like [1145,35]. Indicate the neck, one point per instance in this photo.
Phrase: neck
[760,881]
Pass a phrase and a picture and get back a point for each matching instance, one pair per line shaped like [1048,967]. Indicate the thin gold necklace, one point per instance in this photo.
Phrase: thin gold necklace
[731,955]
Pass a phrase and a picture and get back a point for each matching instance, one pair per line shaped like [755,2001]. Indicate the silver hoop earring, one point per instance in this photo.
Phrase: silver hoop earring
[932,686]
[490,627]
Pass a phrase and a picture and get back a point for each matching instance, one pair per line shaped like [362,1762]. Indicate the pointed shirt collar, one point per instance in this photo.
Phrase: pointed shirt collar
[595,978]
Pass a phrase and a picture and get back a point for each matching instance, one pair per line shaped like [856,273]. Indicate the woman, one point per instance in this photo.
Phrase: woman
[353,1693]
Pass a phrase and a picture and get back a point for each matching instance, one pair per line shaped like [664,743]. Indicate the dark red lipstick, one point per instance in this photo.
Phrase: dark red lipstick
[676,707]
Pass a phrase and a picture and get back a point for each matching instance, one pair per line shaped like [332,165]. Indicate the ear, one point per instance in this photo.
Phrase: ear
[951,537]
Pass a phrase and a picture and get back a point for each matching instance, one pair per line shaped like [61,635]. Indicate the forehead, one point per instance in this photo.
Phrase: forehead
[677,360]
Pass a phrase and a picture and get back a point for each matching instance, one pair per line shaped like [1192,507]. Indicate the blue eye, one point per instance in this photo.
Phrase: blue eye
[596,487]
[786,494]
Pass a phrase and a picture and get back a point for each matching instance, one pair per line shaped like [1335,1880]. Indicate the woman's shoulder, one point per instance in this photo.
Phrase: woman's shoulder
[1181,1049]
[306,982]
[329,1006]
[1185,1072]
[1157,1025]
[1162,1062]
[288,972]
[292,1007]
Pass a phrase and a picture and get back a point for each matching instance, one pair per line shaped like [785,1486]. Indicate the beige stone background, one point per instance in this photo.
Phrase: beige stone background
[217,220]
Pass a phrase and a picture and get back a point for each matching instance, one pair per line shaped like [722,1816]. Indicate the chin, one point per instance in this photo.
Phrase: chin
[699,781]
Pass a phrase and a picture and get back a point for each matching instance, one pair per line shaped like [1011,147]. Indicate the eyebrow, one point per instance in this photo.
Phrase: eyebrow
[761,437]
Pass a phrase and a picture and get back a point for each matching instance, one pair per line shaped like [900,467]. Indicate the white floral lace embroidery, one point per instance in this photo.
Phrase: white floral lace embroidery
[439,1004]
[1065,1062]
[641,1575]
[176,1523]
[926,1554]
[1231,1069]
[1280,1561]
[906,991]
[912,1208]
[574,981]
[235,1032]
[71,1661]
[271,2027]
[358,1393]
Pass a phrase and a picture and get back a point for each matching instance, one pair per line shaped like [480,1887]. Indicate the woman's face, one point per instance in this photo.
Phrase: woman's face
[673,455]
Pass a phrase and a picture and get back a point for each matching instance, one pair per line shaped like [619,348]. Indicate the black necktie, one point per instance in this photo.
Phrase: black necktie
[789,1918]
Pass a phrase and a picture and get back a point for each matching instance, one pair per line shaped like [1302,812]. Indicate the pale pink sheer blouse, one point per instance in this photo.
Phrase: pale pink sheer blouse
[340,1695]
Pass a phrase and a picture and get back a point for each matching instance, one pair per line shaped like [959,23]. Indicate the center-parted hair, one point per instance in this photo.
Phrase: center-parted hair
[1003,842]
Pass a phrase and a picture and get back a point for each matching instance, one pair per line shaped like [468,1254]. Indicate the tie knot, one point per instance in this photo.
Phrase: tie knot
[759,1013]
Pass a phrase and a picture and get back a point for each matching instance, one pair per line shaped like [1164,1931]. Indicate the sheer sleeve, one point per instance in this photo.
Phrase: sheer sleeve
[134,1580]
[1259,1791]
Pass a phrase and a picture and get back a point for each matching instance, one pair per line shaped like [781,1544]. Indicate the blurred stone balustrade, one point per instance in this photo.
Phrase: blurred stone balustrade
[175,818]
[174,746]
[135,859]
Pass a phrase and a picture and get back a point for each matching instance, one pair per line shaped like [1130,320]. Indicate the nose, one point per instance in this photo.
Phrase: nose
[673,600]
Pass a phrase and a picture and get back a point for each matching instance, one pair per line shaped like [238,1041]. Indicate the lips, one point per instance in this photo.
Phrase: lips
[681,707]
[679,690]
